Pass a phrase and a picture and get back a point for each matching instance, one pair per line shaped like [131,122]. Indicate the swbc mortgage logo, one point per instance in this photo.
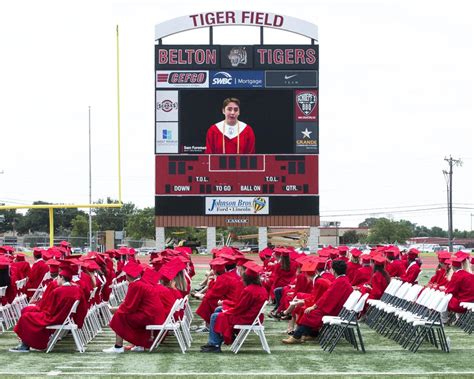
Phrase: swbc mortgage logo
[236,79]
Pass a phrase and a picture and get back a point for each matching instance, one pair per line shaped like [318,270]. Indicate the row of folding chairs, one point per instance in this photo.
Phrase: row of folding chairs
[119,291]
[466,320]
[10,313]
[345,325]
[410,315]
[177,322]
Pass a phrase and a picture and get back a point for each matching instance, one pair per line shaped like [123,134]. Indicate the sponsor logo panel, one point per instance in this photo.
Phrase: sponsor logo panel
[236,57]
[306,138]
[306,105]
[166,138]
[167,106]
[236,79]
[291,79]
[230,205]
[182,79]
[192,57]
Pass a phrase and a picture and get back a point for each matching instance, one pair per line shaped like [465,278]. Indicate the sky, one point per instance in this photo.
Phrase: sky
[396,99]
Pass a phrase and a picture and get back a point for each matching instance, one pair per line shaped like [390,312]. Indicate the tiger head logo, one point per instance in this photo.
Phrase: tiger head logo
[237,55]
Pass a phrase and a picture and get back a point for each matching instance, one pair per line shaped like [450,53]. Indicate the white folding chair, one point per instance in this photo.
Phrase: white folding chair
[39,291]
[6,321]
[256,327]
[171,324]
[67,325]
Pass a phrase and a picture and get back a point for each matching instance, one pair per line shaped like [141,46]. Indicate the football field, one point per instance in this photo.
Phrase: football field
[383,358]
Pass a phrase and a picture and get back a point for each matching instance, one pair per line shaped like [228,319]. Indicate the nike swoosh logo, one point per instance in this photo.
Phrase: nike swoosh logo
[290,76]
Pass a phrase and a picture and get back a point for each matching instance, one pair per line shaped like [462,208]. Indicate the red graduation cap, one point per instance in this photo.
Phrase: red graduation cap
[379,260]
[4,262]
[170,269]
[309,266]
[413,253]
[20,257]
[457,261]
[53,266]
[365,258]
[252,269]
[66,271]
[150,276]
[133,269]
[356,252]
[443,255]
[37,252]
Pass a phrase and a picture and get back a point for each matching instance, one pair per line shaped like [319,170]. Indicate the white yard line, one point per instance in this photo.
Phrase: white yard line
[312,374]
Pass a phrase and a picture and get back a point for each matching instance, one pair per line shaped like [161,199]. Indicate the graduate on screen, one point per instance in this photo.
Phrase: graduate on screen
[230,136]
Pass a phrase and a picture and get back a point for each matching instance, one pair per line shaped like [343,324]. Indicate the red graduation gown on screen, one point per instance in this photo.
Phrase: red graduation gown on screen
[227,286]
[31,327]
[38,270]
[462,288]
[330,303]
[141,307]
[251,300]
[411,273]
[245,140]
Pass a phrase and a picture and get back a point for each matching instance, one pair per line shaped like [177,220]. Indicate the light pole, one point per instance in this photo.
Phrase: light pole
[90,183]
[449,182]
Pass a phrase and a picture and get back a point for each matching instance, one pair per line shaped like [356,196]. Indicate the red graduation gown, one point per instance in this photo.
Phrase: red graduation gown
[351,269]
[31,327]
[38,270]
[141,307]
[378,284]
[45,303]
[251,300]
[22,268]
[411,273]
[329,304]
[362,276]
[214,142]
[320,286]
[227,286]
[462,288]
[438,279]
[396,268]
[302,285]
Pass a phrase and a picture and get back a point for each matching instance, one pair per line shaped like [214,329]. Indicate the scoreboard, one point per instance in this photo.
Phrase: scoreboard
[236,175]
[278,89]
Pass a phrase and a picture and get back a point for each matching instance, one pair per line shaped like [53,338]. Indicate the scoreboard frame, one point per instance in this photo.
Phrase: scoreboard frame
[180,200]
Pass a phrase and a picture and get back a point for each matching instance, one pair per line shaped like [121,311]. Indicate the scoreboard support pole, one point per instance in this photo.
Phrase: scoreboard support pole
[210,238]
[313,240]
[160,238]
[262,237]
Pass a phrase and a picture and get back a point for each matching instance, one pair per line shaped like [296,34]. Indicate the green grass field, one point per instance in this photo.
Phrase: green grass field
[383,358]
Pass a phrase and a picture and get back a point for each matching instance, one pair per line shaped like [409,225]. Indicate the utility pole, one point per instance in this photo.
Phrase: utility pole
[90,183]
[449,182]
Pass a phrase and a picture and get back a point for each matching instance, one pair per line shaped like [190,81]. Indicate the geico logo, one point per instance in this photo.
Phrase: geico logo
[222,81]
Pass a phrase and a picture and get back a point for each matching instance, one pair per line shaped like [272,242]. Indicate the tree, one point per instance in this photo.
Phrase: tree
[349,237]
[113,218]
[9,219]
[80,226]
[63,218]
[387,231]
[35,220]
[141,224]
[368,222]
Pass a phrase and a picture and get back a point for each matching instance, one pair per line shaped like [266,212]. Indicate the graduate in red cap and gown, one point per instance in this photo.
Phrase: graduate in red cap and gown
[38,270]
[230,136]
[354,263]
[379,279]
[330,304]
[31,327]
[51,284]
[395,266]
[363,274]
[142,306]
[22,267]
[227,286]
[439,280]
[222,323]
[461,284]
[413,269]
